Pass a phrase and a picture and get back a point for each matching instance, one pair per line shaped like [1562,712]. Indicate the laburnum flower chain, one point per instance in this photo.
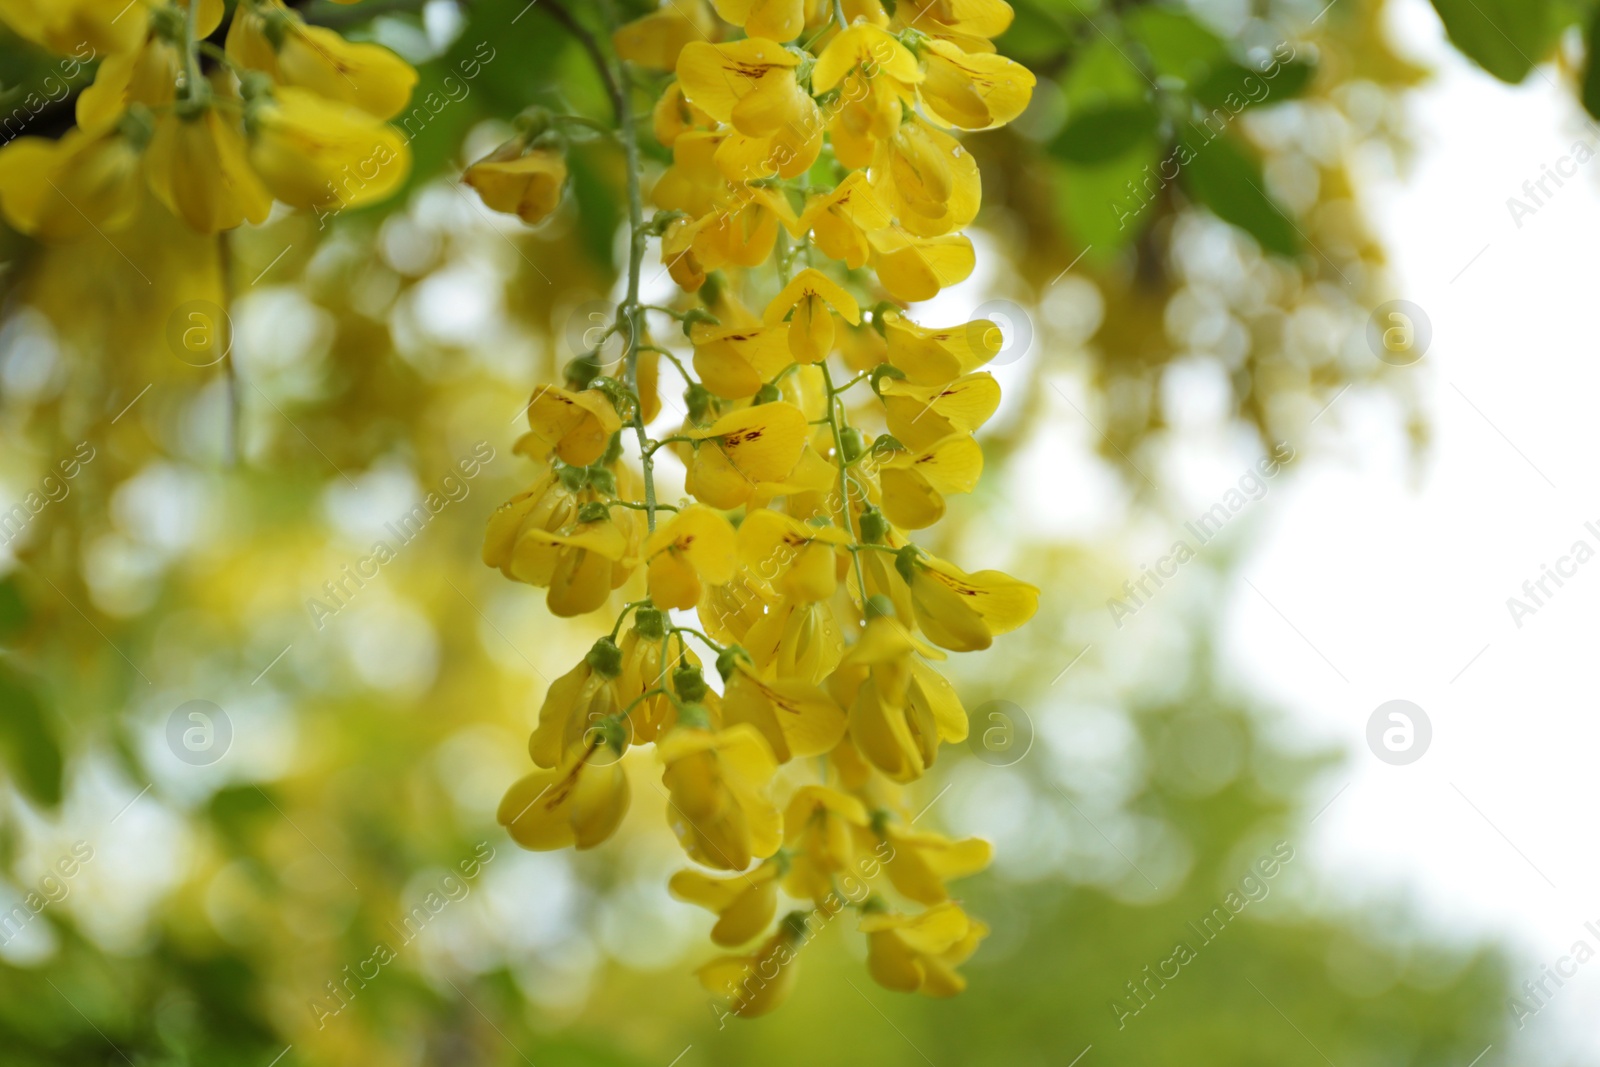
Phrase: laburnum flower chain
[214,135]
[810,149]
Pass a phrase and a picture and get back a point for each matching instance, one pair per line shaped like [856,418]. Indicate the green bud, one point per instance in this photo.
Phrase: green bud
[254,84]
[905,562]
[605,658]
[690,684]
[572,479]
[885,444]
[695,316]
[650,623]
[882,371]
[661,220]
[694,716]
[581,372]
[594,511]
[727,659]
[883,308]
[613,732]
[880,821]
[168,24]
[767,394]
[603,480]
[698,399]
[138,125]
[874,526]
[531,123]
[853,443]
[711,291]
[793,926]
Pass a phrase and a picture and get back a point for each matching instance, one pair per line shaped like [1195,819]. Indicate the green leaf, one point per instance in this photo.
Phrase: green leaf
[1097,134]
[1179,45]
[1504,37]
[1226,178]
[1106,205]
[13,609]
[1251,88]
[31,751]
[1589,91]
[1102,74]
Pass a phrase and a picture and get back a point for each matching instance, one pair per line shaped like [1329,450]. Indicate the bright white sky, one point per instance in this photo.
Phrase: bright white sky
[1402,584]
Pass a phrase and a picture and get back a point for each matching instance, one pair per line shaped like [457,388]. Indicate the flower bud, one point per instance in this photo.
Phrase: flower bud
[605,658]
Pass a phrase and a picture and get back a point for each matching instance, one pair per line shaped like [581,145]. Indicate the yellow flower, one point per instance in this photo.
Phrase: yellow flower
[577,427]
[645,666]
[315,152]
[901,708]
[964,612]
[678,254]
[810,295]
[866,48]
[697,544]
[68,26]
[576,804]
[145,75]
[62,190]
[973,91]
[654,41]
[749,84]
[795,639]
[717,804]
[921,415]
[819,828]
[779,20]
[794,717]
[939,355]
[673,116]
[553,537]
[576,705]
[526,183]
[797,559]
[914,483]
[268,37]
[744,904]
[919,953]
[757,983]
[927,179]
[735,361]
[971,22]
[914,268]
[839,221]
[198,168]
[919,864]
[875,77]
[743,449]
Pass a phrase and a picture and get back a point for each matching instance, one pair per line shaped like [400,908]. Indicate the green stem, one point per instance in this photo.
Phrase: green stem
[614,73]
[691,630]
[844,476]
[191,53]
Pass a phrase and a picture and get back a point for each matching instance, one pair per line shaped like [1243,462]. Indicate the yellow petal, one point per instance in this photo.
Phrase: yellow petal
[868,48]
[912,268]
[527,185]
[973,91]
[812,282]
[716,77]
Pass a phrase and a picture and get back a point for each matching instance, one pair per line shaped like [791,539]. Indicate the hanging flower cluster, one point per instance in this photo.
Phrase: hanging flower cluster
[213,133]
[818,145]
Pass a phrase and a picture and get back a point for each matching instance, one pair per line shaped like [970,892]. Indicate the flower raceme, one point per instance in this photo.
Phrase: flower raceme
[809,142]
[210,136]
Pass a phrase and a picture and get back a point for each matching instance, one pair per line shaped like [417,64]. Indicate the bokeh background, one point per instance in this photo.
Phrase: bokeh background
[1133,769]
